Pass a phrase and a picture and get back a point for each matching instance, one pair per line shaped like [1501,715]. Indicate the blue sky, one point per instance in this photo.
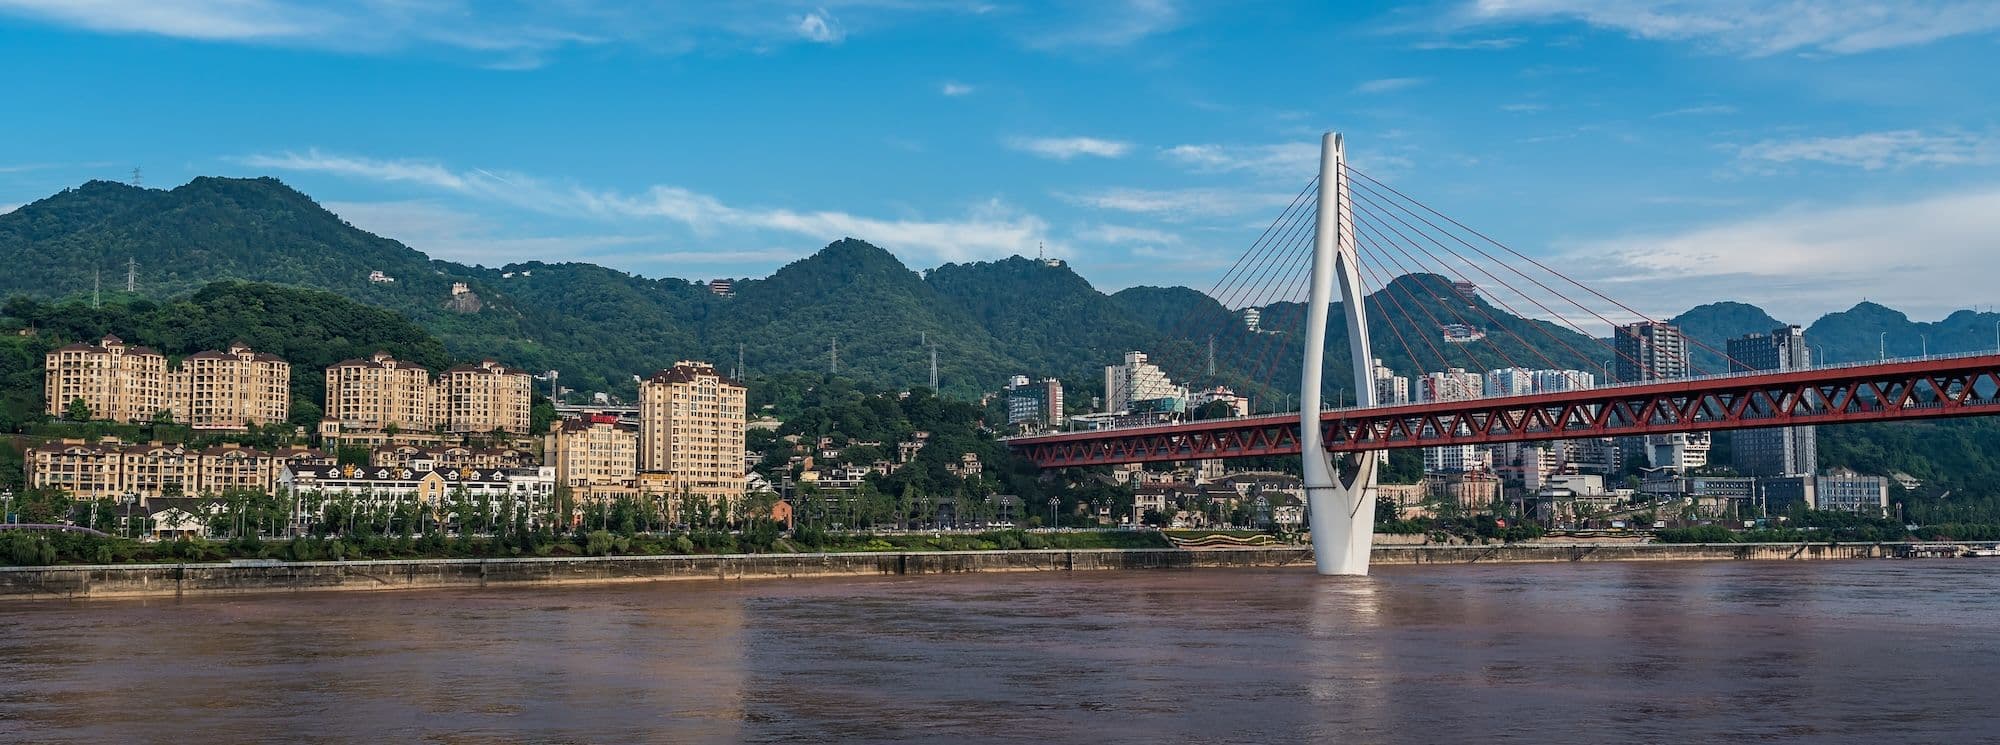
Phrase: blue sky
[1797,155]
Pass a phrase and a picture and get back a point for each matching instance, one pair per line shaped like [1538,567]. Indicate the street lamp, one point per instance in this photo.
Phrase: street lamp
[1924,342]
[7,506]
[127,499]
[1882,346]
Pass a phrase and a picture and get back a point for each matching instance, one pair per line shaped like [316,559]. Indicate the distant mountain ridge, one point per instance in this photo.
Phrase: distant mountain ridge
[986,320]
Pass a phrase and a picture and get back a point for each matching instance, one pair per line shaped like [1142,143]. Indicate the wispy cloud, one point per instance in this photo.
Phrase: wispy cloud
[1878,150]
[1809,259]
[1178,205]
[1283,159]
[499,34]
[1388,85]
[819,26]
[1479,45]
[989,229]
[1524,108]
[1110,24]
[955,88]
[1714,109]
[1125,234]
[1066,148]
[1754,28]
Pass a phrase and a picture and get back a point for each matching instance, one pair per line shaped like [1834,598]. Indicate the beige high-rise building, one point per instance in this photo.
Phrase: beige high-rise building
[485,397]
[228,390]
[691,424]
[593,455]
[119,383]
[379,392]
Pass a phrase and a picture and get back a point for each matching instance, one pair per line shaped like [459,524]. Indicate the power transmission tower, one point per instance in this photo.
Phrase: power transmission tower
[836,355]
[97,289]
[138,179]
[131,274]
[739,362]
[1211,356]
[934,380]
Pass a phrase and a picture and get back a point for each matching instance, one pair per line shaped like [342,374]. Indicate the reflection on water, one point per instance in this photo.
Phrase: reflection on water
[1807,652]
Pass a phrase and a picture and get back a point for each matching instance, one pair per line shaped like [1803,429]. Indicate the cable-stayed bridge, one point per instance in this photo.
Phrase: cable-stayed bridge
[1363,232]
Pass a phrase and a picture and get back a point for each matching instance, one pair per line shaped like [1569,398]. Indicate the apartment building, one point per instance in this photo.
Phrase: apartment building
[112,469]
[118,382]
[595,456]
[485,397]
[691,426]
[234,389]
[212,390]
[379,392]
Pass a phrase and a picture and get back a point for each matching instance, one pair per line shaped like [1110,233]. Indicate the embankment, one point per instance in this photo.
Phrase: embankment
[169,580]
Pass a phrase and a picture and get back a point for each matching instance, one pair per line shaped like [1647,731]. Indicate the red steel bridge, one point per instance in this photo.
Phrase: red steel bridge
[1926,388]
[1476,305]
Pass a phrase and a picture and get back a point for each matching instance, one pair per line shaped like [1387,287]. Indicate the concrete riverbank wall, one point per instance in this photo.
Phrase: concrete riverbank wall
[170,580]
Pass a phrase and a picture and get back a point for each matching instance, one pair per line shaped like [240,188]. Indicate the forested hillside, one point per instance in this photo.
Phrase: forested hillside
[600,326]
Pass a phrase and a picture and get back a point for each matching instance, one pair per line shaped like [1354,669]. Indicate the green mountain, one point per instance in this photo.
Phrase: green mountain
[1715,324]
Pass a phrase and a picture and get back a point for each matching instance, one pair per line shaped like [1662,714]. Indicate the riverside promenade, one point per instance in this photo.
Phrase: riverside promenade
[243,577]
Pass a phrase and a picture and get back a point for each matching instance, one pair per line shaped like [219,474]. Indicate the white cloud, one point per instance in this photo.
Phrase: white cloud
[1878,150]
[1703,110]
[990,229]
[1757,27]
[1926,256]
[1177,205]
[1127,234]
[1111,24]
[955,88]
[819,26]
[1388,85]
[1282,159]
[499,35]
[6,208]
[1065,148]
[1480,45]
[1524,108]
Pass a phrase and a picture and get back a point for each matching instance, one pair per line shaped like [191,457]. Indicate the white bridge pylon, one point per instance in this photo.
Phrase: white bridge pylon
[1340,492]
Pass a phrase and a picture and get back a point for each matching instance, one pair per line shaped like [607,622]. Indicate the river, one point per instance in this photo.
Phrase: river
[1862,651]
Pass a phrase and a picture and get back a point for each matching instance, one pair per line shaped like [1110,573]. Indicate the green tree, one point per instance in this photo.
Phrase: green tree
[78,411]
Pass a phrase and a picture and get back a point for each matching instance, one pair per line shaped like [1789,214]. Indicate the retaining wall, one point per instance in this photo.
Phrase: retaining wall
[156,580]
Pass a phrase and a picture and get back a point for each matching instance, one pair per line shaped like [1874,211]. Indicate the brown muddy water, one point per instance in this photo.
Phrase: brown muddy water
[1862,651]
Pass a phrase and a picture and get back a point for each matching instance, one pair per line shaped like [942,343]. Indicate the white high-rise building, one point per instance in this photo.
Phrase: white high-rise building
[1457,459]
[1137,380]
[1510,381]
[1451,385]
[1557,381]
[1679,451]
[1390,389]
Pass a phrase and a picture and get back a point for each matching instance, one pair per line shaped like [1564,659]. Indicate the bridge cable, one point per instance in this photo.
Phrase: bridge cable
[1491,341]
[1264,370]
[1390,320]
[1531,260]
[1256,247]
[1517,291]
[1371,226]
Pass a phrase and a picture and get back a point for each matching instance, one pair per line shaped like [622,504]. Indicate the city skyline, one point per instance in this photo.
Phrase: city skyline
[1146,143]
